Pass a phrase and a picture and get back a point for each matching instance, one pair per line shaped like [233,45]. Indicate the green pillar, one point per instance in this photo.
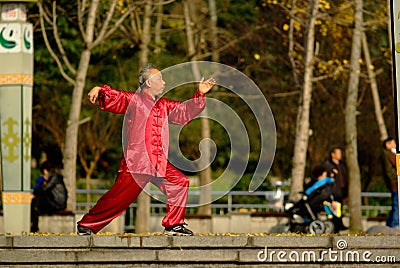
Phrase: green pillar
[16,81]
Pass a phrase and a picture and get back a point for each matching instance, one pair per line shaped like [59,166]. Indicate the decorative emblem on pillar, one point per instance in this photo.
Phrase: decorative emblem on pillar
[10,140]
[27,139]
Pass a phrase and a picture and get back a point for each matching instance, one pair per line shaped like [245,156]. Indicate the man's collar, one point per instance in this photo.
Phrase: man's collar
[148,95]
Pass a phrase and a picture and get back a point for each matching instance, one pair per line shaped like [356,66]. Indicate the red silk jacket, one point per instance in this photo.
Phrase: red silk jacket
[145,130]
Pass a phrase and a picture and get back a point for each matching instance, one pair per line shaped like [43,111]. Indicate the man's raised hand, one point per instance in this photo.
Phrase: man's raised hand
[205,86]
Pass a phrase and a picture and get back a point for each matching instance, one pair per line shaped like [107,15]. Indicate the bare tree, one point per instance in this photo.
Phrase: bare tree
[143,201]
[374,89]
[303,116]
[87,15]
[189,8]
[158,26]
[213,30]
[351,122]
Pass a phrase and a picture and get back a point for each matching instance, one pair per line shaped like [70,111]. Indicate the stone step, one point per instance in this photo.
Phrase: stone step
[223,250]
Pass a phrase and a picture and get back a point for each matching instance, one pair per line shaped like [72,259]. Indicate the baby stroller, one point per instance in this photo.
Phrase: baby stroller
[317,211]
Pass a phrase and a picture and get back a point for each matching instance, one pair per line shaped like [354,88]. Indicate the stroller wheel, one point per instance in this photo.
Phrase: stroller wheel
[317,227]
[329,227]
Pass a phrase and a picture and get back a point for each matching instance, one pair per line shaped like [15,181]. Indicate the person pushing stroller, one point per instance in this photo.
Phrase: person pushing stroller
[318,197]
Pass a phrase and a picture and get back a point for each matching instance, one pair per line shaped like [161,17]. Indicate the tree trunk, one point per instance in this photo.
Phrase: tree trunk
[351,123]
[143,201]
[389,24]
[145,34]
[157,28]
[88,195]
[205,174]
[213,30]
[71,135]
[205,198]
[374,90]
[303,117]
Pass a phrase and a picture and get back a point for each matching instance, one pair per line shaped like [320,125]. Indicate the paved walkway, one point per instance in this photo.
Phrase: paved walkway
[155,250]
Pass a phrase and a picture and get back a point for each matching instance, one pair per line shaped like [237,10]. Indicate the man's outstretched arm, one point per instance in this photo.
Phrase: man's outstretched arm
[182,113]
[110,99]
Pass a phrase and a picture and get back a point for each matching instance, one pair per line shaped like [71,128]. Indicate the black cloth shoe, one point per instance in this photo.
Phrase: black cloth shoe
[84,230]
[178,230]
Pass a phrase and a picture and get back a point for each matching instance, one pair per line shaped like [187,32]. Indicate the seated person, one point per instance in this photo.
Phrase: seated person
[49,195]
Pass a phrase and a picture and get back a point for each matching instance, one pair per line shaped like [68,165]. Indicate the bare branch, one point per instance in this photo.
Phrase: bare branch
[286,94]
[104,35]
[374,22]
[83,6]
[323,77]
[58,41]
[161,3]
[138,24]
[233,42]
[46,16]
[50,49]
[134,26]
[85,120]
[291,46]
[107,21]
[81,11]
[234,95]
[131,35]
[130,30]
[89,32]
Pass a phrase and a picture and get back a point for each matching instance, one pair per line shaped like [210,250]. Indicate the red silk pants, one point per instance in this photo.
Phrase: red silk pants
[125,190]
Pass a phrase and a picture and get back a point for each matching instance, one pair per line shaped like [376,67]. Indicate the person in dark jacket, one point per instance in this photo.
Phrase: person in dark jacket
[50,194]
[390,178]
[337,169]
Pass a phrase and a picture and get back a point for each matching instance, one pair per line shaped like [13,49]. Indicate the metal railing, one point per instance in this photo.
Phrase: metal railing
[217,206]
[267,202]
